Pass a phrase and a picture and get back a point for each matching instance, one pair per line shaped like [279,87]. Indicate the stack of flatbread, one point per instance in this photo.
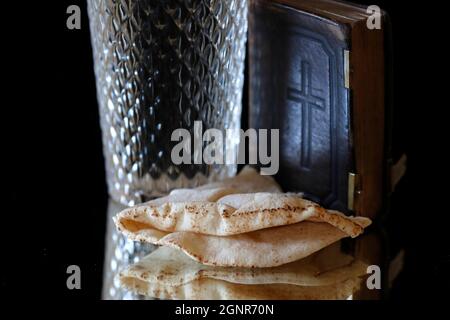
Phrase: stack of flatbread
[244,221]
[241,238]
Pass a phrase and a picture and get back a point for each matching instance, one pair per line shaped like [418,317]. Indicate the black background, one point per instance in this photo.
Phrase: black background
[53,167]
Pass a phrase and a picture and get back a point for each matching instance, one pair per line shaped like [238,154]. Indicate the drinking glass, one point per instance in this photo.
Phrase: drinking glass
[161,65]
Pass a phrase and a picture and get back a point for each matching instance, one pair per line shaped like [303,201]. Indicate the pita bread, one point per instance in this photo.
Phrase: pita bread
[168,274]
[247,181]
[167,213]
[326,267]
[259,249]
[216,226]
[230,215]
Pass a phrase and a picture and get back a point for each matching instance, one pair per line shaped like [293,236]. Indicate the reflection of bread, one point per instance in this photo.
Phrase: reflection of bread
[212,289]
[168,274]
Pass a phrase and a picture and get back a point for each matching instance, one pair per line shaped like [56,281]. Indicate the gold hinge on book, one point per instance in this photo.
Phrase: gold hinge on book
[347,69]
[353,189]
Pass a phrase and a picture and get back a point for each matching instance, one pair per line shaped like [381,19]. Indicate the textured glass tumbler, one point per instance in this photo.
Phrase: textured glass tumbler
[160,65]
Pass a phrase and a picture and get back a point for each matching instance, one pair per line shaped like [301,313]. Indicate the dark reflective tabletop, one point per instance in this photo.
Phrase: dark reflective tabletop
[340,271]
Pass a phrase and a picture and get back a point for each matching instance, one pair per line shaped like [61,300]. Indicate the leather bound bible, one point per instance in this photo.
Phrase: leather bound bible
[321,76]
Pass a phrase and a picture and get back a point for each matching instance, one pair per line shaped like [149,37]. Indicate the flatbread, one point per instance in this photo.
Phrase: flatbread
[247,181]
[217,226]
[174,212]
[259,249]
[230,215]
